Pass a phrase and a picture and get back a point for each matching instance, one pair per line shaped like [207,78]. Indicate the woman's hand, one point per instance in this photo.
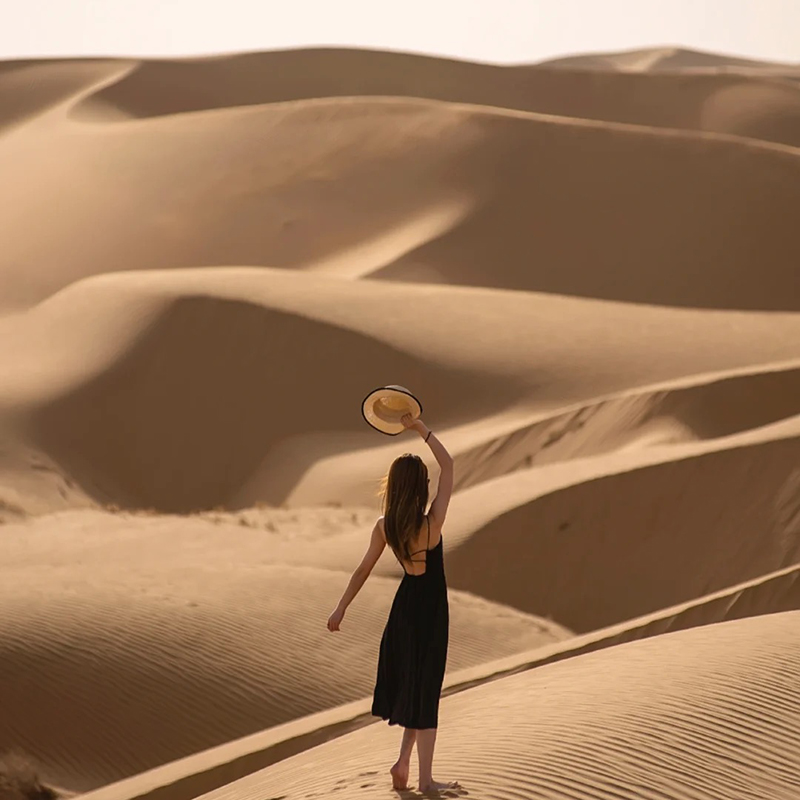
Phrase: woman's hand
[335,619]
[411,424]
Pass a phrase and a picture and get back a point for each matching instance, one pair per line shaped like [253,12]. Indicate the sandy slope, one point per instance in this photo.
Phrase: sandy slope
[602,539]
[227,640]
[30,88]
[31,483]
[622,723]
[664,99]
[590,547]
[210,769]
[162,389]
[669,59]
[404,189]
[638,88]
[77,588]
[707,406]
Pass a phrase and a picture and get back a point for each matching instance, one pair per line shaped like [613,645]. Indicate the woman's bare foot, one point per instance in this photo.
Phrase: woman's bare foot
[436,786]
[399,773]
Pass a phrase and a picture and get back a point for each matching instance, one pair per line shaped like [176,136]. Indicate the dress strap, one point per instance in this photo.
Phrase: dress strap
[428,520]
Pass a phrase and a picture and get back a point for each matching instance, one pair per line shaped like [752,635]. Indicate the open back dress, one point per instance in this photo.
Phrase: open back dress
[413,651]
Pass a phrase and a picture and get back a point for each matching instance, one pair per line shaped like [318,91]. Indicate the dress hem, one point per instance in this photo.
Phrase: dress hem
[415,727]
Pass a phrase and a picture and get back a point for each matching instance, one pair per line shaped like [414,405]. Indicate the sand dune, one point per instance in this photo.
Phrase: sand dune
[672,414]
[535,539]
[708,407]
[227,641]
[664,99]
[162,389]
[553,216]
[208,770]
[678,529]
[153,579]
[159,87]
[405,190]
[754,110]
[28,89]
[31,483]
[632,88]
[601,726]
[660,59]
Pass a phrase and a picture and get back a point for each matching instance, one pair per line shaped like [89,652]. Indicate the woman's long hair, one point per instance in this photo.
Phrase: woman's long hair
[405,497]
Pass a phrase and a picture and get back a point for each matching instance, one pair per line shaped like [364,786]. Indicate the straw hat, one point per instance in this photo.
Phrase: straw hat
[383,407]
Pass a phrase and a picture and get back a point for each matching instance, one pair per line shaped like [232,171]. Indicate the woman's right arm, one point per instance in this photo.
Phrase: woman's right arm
[438,510]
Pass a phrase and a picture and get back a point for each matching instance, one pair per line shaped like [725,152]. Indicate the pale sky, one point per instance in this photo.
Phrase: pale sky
[482,30]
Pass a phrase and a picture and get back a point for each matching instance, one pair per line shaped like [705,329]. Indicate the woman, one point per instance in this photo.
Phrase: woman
[413,649]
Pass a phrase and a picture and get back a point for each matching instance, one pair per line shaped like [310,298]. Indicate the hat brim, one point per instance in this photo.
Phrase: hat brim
[383,407]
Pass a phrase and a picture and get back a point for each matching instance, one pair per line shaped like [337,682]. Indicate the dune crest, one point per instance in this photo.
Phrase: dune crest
[658,59]
[160,390]
[225,648]
[451,194]
[730,512]
[647,88]
[211,769]
[600,726]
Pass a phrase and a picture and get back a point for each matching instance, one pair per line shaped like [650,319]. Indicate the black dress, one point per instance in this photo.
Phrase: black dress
[413,651]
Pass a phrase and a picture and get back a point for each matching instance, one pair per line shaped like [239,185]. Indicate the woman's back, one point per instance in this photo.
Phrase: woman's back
[427,539]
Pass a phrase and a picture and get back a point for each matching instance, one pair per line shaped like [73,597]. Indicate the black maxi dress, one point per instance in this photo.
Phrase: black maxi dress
[413,651]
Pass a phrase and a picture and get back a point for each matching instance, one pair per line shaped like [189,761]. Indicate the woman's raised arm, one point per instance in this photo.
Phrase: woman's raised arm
[438,510]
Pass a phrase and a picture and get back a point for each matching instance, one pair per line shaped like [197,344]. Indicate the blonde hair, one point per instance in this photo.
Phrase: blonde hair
[404,490]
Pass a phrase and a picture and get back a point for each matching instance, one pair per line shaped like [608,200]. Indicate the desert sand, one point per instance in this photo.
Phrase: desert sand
[588,271]
[601,725]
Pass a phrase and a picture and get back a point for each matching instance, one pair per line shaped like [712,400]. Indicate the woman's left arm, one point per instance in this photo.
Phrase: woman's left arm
[376,545]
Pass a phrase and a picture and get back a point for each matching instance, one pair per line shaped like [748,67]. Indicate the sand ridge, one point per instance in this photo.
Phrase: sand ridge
[225,648]
[287,198]
[599,726]
[745,525]
[677,59]
[179,352]
[635,88]
[203,772]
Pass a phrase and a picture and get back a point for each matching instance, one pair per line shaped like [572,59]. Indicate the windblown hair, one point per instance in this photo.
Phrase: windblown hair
[405,497]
